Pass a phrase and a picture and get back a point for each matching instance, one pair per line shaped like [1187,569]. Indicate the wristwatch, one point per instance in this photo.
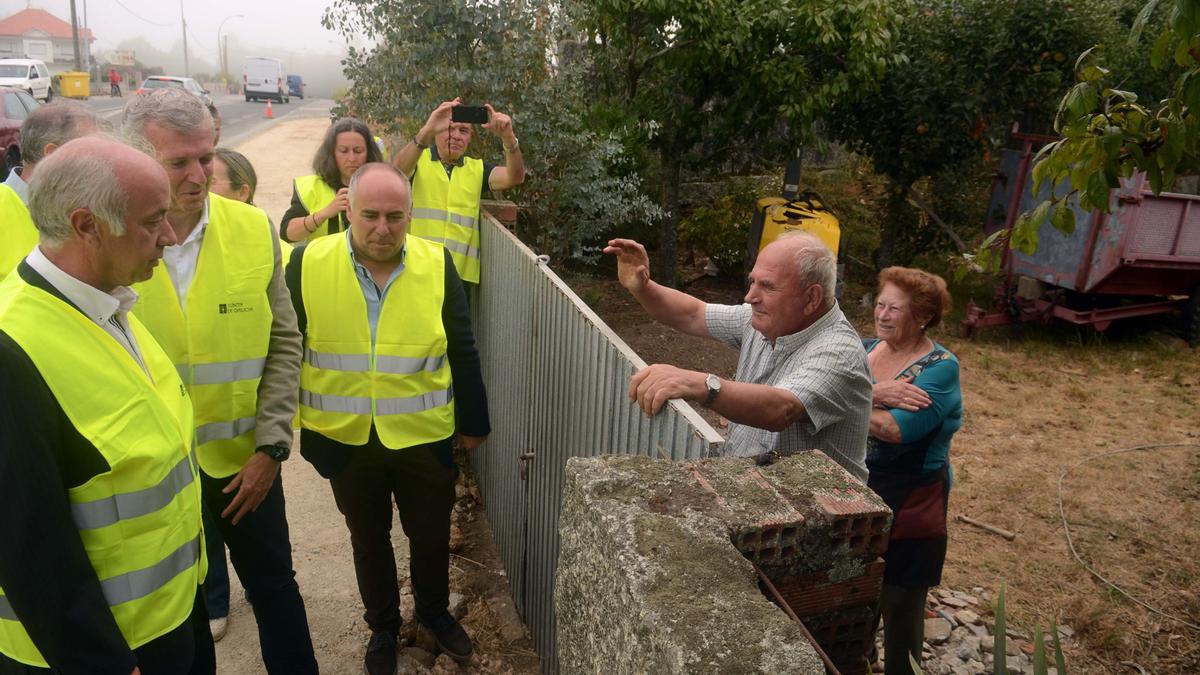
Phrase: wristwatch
[278,453]
[511,148]
[714,388]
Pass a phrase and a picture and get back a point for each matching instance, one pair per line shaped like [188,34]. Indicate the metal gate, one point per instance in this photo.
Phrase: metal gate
[557,378]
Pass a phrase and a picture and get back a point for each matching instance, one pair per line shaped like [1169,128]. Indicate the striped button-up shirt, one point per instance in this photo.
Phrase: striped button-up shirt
[824,365]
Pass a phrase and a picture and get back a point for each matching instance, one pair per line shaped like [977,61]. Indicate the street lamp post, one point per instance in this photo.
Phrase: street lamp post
[222,57]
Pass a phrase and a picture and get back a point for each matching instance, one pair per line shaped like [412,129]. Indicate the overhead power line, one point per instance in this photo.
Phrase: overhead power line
[138,16]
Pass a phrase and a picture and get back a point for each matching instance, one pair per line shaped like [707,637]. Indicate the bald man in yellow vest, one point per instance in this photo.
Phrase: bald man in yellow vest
[447,185]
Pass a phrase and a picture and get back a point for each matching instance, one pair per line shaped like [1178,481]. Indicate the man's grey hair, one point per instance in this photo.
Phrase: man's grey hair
[380,166]
[61,186]
[173,109]
[815,263]
[55,123]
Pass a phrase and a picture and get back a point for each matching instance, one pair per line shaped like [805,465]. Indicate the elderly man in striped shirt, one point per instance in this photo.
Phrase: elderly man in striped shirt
[802,380]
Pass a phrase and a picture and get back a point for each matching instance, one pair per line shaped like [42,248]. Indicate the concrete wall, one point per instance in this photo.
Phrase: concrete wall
[654,571]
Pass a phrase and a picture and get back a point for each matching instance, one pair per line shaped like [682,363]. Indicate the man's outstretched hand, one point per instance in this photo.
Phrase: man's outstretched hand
[633,264]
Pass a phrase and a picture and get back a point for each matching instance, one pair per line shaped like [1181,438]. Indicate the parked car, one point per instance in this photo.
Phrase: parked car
[296,86]
[263,78]
[187,83]
[28,74]
[15,106]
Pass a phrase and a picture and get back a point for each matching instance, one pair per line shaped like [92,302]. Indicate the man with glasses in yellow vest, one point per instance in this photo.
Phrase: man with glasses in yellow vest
[219,307]
[102,551]
[45,129]
[447,185]
[389,363]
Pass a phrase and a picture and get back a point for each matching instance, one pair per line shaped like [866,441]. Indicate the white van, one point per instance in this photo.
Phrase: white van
[263,78]
[27,74]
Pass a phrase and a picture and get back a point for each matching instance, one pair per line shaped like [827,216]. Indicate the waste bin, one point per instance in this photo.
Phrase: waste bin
[74,84]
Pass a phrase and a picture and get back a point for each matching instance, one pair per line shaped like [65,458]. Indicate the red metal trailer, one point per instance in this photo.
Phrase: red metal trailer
[1140,259]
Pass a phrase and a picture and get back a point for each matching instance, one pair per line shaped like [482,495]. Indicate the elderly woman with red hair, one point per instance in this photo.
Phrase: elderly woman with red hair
[917,409]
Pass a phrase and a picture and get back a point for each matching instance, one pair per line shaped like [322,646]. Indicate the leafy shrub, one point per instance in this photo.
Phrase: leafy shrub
[719,229]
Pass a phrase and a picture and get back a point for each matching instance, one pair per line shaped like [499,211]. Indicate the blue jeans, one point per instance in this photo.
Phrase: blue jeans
[261,552]
[216,585]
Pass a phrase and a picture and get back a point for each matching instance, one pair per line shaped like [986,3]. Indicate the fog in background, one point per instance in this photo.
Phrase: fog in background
[289,30]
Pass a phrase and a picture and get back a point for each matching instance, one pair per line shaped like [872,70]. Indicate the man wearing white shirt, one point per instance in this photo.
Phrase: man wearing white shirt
[103,553]
[224,316]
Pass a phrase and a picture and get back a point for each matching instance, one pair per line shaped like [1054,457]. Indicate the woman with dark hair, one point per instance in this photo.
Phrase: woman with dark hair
[917,408]
[319,201]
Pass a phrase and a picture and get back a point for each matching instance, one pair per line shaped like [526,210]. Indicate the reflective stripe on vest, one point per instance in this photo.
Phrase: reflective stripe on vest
[105,511]
[18,235]
[401,384]
[315,194]
[139,521]
[138,583]
[446,209]
[220,344]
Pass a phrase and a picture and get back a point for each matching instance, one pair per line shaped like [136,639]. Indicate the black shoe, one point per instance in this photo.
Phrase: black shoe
[449,635]
[381,655]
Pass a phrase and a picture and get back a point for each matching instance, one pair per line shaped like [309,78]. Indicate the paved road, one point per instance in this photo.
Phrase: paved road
[239,119]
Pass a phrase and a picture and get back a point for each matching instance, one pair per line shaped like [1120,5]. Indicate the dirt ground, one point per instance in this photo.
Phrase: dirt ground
[1034,408]
[1054,401]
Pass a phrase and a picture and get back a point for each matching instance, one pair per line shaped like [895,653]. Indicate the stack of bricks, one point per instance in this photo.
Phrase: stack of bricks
[820,547]
[808,525]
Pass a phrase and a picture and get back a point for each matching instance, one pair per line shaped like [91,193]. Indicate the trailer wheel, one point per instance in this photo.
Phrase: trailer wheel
[1191,318]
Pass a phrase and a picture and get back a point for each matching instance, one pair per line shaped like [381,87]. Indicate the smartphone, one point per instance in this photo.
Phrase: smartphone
[469,114]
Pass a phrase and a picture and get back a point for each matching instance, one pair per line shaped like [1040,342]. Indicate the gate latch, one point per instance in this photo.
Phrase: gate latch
[523,460]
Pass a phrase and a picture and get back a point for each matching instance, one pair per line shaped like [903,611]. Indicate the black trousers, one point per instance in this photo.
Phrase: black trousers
[186,650]
[261,552]
[420,480]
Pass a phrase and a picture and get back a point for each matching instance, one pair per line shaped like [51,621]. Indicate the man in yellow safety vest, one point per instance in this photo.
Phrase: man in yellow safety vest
[447,185]
[45,129]
[102,550]
[389,359]
[220,309]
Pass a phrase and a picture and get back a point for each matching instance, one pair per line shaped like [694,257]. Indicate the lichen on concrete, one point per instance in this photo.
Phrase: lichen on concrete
[649,581]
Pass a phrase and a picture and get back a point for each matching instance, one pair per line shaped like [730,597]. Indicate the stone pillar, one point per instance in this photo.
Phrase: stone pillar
[655,572]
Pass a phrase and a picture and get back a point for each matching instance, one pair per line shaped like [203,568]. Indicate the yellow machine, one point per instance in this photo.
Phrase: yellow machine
[805,213]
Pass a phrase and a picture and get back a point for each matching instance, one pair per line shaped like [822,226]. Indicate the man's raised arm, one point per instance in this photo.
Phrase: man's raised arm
[666,305]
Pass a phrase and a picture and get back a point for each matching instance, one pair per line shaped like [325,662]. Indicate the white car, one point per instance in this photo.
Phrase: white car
[28,74]
[171,81]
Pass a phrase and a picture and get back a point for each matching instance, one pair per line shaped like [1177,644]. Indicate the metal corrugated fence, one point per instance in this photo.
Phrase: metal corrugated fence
[557,378]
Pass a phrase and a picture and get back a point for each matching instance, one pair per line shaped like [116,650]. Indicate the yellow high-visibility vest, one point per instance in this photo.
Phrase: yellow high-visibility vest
[18,235]
[315,194]
[220,345]
[446,210]
[383,150]
[402,385]
[140,520]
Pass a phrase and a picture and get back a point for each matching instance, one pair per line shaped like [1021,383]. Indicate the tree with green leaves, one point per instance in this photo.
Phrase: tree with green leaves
[691,83]
[971,68]
[579,184]
[1109,132]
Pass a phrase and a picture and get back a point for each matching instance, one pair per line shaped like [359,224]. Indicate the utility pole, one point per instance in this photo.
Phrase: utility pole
[186,69]
[75,35]
[86,47]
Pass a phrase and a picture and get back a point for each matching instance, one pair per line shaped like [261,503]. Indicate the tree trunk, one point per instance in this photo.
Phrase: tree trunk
[899,217]
[665,268]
